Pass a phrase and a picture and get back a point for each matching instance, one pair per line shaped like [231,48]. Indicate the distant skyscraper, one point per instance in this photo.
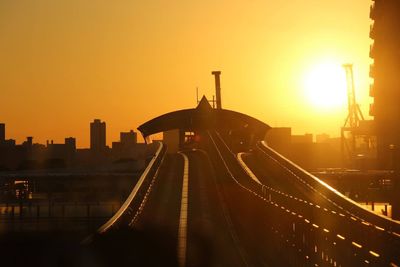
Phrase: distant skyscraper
[2,133]
[385,71]
[97,135]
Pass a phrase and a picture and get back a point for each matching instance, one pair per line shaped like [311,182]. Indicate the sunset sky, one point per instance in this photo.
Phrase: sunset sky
[66,62]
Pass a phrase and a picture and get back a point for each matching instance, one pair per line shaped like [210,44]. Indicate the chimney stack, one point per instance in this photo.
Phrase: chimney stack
[217,88]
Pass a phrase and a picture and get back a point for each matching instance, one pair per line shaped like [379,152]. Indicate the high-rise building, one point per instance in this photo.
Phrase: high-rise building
[385,72]
[2,133]
[97,135]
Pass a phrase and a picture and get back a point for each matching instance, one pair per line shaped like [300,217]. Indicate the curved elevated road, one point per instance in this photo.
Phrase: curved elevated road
[213,207]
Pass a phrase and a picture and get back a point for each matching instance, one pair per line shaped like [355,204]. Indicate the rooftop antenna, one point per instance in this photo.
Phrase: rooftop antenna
[197,95]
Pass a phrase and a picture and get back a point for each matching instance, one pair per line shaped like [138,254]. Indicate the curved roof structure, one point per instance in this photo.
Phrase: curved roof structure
[204,117]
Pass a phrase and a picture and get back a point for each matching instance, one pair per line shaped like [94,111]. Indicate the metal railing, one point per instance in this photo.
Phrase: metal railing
[356,236]
[339,233]
[134,203]
[328,192]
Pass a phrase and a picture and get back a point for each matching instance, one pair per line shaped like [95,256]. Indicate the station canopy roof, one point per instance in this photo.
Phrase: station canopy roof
[204,117]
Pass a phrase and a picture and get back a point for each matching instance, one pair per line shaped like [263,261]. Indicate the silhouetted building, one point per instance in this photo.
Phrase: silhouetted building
[97,135]
[9,142]
[302,150]
[127,155]
[2,133]
[302,139]
[279,138]
[60,155]
[128,137]
[127,147]
[29,142]
[385,71]
[322,138]
[70,142]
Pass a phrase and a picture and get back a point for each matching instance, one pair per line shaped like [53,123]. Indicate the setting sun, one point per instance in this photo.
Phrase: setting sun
[325,86]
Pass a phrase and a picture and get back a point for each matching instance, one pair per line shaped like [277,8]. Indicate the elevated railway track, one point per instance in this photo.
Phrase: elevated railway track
[220,208]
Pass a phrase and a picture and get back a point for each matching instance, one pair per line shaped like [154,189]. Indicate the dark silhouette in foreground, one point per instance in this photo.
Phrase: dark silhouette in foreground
[117,247]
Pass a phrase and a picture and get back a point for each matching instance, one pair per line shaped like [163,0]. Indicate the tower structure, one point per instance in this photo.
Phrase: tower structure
[97,135]
[217,88]
[352,123]
[385,70]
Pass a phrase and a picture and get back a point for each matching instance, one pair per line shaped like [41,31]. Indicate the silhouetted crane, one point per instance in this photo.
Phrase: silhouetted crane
[354,116]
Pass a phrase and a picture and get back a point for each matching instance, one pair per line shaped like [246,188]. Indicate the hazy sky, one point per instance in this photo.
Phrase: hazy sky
[66,62]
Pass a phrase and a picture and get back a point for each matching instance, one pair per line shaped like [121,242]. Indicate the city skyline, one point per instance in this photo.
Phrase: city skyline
[126,153]
[97,134]
[199,133]
[112,61]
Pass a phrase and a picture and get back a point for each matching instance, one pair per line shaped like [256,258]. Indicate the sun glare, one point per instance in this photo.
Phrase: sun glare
[325,86]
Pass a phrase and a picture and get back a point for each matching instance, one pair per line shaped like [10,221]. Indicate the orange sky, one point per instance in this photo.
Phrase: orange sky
[64,63]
